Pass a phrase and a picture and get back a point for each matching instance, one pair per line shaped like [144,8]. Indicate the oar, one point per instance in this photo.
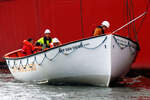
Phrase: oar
[129,22]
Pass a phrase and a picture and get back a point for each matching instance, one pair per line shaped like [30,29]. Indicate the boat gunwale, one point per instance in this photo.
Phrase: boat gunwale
[16,58]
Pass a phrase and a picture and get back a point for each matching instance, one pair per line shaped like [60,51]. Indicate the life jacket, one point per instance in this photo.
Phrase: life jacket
[38,49]
[28,48]
[45,41]
[101,28]
[51,45]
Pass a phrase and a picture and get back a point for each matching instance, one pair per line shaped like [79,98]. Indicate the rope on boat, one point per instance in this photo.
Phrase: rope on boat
[27,62]
[73,49]
[96,46]
[14,63]
[54,56]
[125,46]
[61,51]
[141,24]
[119,44]
[45,57]
[35,60]
[20,63]
[132,52]
[81,15]
[131,15]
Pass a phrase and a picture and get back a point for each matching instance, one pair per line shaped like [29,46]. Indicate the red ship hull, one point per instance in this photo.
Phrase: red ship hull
[22,19]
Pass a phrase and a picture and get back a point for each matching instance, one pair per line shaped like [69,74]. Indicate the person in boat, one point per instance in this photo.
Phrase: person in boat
[46,40]
[38,47]
[55,43]
[28,47]
[100,30]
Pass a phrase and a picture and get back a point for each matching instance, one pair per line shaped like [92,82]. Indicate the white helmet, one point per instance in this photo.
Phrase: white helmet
[47,31]
[106,23]
[55,40]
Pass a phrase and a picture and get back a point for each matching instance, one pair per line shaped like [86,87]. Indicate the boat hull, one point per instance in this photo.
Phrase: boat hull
[96,61]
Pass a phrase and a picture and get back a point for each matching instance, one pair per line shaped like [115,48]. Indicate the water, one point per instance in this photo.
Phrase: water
[136,88]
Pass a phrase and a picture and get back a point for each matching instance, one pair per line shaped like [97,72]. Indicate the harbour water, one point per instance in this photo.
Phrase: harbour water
[135,88]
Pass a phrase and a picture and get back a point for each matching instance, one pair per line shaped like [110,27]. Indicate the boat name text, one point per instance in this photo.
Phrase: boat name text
[74,47]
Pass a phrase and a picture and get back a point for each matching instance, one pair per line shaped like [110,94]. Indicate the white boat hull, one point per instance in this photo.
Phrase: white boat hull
[95,61]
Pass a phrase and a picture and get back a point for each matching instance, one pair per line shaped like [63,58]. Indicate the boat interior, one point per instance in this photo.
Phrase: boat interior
[14,54]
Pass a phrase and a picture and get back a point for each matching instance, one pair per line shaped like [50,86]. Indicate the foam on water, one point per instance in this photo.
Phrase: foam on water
[10,89]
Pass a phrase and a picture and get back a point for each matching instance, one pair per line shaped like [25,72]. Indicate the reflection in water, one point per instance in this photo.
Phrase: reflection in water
[136,88]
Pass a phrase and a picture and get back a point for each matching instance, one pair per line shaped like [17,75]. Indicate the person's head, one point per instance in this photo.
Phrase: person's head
[105,25]
[37,44]
[30,40]
[56,42]
[47,33]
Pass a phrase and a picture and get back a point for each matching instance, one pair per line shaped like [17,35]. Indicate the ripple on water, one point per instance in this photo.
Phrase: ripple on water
[11,89]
